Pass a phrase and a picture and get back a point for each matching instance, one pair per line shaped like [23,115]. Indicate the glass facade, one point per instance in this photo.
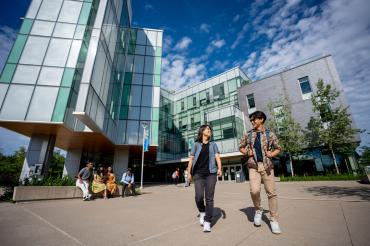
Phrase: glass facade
[213,101]
[79,63]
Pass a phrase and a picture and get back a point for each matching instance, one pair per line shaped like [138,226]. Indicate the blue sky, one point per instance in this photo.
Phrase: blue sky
[204,38]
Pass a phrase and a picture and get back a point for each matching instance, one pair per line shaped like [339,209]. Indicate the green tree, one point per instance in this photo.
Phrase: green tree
[288,131]
[11,167]
[333,125]
[365,157]
[56,164]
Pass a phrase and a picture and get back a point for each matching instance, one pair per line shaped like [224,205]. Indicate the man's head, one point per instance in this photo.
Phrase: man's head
[257,119]
[129,171]
[89,165]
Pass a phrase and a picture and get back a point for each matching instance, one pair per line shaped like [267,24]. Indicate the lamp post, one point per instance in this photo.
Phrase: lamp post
[144,125]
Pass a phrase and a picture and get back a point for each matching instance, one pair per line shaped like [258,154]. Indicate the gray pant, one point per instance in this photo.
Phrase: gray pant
[205,184]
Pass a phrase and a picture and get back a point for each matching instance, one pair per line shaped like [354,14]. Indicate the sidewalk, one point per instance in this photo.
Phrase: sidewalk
[311,213]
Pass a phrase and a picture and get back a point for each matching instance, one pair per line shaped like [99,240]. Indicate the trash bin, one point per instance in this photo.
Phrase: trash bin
[238,177]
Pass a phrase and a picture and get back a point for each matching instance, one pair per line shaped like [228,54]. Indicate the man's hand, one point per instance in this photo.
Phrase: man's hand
[269,154]
[219,172]
[80,180]
[190,177]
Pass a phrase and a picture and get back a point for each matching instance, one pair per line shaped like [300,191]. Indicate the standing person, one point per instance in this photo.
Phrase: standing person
[202,166]
[176,176]
[111,182]
[257,145]
[83,179]
[128,181]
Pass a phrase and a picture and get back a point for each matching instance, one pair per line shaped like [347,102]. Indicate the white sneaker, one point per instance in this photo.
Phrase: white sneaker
[201,218]
[258,217]
[206,226]
[275,228]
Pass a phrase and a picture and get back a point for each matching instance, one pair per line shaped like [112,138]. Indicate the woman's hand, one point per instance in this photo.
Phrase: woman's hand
[190,178]
[219,172]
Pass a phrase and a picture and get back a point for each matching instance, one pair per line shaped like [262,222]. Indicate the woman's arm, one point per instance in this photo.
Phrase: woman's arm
[190,164]
[218,160]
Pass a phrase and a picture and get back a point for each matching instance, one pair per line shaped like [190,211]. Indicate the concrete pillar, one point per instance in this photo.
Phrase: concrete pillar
[120,162]
[72,162]
[39,153]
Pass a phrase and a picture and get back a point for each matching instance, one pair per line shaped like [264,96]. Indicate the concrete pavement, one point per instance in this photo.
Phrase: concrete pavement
[311,213]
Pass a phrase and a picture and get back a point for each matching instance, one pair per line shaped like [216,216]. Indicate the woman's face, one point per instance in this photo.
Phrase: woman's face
[109,169]
[207,132]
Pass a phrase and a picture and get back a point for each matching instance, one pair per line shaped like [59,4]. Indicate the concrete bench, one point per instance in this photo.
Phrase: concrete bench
[34,193]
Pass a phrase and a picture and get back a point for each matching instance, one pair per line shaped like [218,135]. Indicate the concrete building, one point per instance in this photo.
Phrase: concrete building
[296,83]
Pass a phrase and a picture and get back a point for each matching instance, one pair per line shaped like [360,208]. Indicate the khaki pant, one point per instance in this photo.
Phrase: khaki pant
[255,178]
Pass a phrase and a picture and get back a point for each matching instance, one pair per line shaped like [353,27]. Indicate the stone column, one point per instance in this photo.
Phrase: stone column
[39,153]
[120,162]
[72,162]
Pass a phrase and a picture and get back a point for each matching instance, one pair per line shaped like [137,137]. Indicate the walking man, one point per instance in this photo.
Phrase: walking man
[83,180]
[260,145]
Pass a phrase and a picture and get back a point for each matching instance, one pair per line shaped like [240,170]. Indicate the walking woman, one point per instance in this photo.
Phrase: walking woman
[203,170]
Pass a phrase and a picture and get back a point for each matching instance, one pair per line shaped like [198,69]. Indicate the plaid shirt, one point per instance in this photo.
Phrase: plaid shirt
[247,142]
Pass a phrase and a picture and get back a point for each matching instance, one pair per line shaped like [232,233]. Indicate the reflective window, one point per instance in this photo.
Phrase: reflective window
[137,78]
[146,99]
[3,90]
[80,30]
[26,26]
[49,10]
[64,30]
[152,38]
[26,74]
[141,37]
[70,11]
[145,113]
[134,113]
[7,73]
[17,49]
[135,95]
[156,96]
[50,76]
[148,79]
[140,50]
[250,100]
[132,132]
[73,54]
[149,65]
[34,50]
[305,85]
[61,104]
[42,28]
[139,64]
[42,103]
[16,102]
[58,52]
[85,12]
[33,8]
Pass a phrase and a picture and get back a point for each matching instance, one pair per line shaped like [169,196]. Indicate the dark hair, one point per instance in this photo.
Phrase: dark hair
[110,167]
[200,132]
[258,115]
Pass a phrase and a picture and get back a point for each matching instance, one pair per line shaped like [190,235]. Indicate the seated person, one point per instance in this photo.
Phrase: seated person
[128,181]
[110,181]
[98,184]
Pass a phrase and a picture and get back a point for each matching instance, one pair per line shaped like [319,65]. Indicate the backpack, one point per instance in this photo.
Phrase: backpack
[267,131]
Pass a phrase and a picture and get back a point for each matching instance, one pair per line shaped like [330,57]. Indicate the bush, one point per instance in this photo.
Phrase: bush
[53,181]
[327,177]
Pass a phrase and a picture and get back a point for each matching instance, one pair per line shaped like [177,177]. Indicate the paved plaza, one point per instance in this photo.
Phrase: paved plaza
[311,213]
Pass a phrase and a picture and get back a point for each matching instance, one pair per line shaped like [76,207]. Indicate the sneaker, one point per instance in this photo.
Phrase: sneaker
[207,226]
[258,217]
[201,218]
[275,228]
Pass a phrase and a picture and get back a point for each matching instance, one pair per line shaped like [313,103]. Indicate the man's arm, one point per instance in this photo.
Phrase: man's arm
[218,160]
[190,164]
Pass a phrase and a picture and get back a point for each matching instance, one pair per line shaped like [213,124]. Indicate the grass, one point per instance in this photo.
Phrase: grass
[328,177]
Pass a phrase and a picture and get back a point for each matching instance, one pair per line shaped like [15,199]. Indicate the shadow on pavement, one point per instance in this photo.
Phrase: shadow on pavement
[339,192]
[217,214]
[249,212]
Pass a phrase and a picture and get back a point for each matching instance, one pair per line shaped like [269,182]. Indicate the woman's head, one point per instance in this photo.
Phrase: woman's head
[110,169]
[206,131]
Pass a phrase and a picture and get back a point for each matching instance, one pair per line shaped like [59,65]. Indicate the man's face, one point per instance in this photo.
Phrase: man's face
[256,122]
[89,165]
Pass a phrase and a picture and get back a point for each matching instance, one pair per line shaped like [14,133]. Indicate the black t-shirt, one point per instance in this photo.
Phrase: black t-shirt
[257,147]
[202,164]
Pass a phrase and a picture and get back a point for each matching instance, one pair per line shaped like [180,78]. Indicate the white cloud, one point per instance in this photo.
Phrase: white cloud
[148,7]
[240,35]
[236,18]
[220,66]
[215,44]
[7,38]
[204,28]
[340,28]
[183,44]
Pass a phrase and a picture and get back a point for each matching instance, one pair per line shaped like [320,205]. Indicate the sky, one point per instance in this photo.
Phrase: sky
[204,38]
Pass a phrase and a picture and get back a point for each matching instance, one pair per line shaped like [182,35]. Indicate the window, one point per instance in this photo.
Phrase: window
[63,30]
[49,10]
[42,28]
[218,92]
[182,105]
[34,50]
[194,101]
[192,122]
[279,117]
[16,102]
[50,76]
[250,100]
[70,11]
[57,52]
[305,86]
[42,104]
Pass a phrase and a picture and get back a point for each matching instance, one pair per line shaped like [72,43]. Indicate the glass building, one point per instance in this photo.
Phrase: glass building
[79,77]
[182,112]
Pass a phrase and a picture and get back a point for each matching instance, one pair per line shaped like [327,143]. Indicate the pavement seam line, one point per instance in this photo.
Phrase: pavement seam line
[318,200]
[345,219]
[51,225]
[162,233]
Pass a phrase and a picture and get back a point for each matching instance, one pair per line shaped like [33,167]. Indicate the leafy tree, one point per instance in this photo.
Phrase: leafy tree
[286,128]
[56,164]
[332,127]
[11,167]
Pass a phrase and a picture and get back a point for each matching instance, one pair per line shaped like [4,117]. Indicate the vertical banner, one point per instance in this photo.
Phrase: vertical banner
[146,141]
